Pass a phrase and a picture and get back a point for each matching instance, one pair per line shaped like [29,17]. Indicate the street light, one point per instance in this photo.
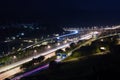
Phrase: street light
[102,48]
[14,57]
[35,51]
[58,44]
[65,41]
[48,46]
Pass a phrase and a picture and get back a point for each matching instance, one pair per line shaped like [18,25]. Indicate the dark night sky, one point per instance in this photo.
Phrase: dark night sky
[46,10]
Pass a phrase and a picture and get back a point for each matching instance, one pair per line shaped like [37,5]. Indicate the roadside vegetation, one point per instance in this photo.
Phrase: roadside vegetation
[96,47]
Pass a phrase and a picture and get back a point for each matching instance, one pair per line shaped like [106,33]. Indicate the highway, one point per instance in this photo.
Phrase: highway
[41,54]
[47,65]
[13,68]
[14,65]
[5,68]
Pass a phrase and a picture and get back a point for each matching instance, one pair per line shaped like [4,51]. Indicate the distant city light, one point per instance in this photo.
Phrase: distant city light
[21,44]
[48,35]
[17,35]
[37,28]
[22,34]
[13,48]
[25,26]
[19,38]
[13,38]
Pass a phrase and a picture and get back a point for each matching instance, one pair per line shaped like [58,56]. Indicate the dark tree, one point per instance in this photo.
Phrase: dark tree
[115,49]
[60,51]
[41,58]
[72,45]
[67,49]
[53,65]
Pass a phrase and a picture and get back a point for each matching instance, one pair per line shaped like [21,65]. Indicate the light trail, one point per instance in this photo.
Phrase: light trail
[73,32]
[114,27]
[31,72]
[89,35]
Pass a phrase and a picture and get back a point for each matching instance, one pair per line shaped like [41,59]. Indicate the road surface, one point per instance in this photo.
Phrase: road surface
[10,72]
